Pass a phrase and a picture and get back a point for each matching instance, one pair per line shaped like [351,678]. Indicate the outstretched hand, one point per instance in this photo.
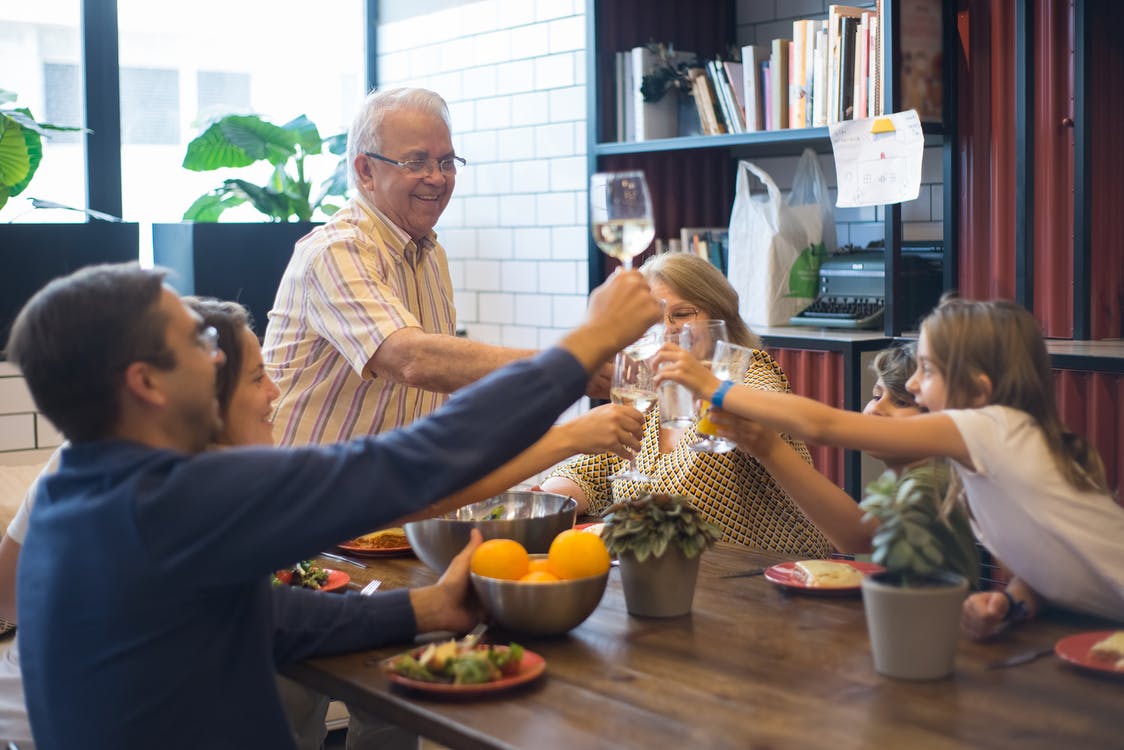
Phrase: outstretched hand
[678,365]
[751,436]
[449,604]
[607,429]
[623,308]
[983,614]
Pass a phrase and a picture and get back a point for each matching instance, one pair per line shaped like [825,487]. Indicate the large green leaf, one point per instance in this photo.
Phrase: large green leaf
[15,161]
[34,146]
[304,134]
[238,141]
[209,207]
[337,144]
[275,206]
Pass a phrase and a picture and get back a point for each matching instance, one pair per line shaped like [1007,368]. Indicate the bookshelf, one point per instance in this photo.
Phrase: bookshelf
[692,180]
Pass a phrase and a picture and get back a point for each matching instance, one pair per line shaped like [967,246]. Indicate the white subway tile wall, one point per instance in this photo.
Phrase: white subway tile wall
[22,429]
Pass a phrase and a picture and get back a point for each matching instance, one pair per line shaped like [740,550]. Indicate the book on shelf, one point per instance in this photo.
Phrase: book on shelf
[736,80]
[797,91]
[848,41]
[711,243]
[835,68]
[725,95]
[702,90]
[819,78]
[754,57]
[778,73]
[767,94]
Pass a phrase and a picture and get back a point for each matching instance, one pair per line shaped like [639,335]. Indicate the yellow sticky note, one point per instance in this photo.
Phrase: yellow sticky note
[882,125]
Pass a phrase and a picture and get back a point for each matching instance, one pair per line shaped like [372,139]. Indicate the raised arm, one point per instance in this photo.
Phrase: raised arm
[437,362]
[908,437]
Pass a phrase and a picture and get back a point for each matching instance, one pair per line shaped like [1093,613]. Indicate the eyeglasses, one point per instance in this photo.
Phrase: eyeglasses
[447,166]
[208,338]
[681,316]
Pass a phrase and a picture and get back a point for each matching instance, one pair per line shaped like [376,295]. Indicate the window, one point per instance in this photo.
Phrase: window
[150,112]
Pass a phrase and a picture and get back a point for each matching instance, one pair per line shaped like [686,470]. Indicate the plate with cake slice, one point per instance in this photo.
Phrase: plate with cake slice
[821,576]
[1098,650]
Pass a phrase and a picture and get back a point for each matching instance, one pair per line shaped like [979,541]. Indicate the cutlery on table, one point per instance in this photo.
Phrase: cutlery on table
[370,588]
[1021,658]
[341,558]
[744,573]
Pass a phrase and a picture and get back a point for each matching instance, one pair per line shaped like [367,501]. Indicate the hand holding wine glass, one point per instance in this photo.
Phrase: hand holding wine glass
[632,386]
[620,210]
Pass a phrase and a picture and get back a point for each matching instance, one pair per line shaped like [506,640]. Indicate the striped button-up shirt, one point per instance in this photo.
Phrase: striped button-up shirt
[349,285]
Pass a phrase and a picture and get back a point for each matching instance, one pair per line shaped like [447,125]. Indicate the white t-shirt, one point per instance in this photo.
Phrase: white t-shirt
[1066,544]
[13,712]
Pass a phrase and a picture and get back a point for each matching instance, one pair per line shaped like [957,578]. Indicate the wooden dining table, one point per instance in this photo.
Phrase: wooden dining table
[752,666]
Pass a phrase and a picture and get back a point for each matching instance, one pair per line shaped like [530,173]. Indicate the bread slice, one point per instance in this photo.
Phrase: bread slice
[1110,649]
[825,574]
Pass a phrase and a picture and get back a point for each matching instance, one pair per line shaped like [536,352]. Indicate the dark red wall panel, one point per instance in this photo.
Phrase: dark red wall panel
[1053,166]
[986,149]
[1092,404]
[817,375]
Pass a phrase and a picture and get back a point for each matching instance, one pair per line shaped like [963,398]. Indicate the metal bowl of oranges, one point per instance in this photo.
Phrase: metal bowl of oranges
[541,595]
[531,518]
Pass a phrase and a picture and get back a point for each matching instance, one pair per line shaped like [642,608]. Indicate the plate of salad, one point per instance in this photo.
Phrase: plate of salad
[462,667]
[309,575]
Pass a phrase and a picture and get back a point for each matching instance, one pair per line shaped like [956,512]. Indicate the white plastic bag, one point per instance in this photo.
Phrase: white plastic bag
[777,245]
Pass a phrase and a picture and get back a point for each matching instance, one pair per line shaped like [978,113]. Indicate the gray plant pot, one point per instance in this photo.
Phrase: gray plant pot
[660,586]
[914,630]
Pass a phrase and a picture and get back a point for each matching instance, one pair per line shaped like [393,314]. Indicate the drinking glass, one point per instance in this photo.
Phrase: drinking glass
[620,211]
[699,337]
[677,403]
[632,386]
[730,362]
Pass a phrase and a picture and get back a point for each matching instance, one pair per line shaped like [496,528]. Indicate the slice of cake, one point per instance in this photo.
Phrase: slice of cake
[825,574]
[1110,649]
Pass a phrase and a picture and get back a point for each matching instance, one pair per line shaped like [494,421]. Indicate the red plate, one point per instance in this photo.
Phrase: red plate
[531,666]
[1076,650]
[784,575]
[375,552]
[336,579]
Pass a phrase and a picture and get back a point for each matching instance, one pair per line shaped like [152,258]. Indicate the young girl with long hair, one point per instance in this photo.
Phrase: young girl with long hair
[1036,491]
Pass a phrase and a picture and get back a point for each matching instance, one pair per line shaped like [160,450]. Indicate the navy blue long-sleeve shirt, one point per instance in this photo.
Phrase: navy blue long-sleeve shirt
[146,618]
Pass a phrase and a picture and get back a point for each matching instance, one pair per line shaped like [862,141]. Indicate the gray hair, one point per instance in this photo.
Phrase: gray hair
[364,134]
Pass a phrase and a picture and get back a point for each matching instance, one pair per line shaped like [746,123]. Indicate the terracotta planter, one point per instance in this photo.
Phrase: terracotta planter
[659,586]
[914,630]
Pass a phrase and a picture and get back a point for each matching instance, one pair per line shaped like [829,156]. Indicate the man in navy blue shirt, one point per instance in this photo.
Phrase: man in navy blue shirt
[145,608]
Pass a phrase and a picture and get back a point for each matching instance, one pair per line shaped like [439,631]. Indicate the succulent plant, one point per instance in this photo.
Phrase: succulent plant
[915,539]
[645,527]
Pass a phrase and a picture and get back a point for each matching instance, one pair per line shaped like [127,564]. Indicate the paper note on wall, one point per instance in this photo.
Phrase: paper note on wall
[878,160]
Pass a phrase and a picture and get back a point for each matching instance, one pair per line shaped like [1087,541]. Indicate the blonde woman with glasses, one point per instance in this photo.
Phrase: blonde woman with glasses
[732,489]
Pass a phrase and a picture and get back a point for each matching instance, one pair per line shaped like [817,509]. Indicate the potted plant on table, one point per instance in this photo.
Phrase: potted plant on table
[245,261]
[34,253]
[931,560]
[659,540]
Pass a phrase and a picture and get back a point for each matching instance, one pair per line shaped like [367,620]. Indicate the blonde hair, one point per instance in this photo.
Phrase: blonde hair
[700,283]
[1002,341]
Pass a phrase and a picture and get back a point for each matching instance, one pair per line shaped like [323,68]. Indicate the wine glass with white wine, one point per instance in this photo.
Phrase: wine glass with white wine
[620,210]
[632,386]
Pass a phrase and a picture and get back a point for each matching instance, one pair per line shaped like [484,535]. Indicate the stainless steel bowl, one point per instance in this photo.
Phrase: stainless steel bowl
[531,518]
[540,608]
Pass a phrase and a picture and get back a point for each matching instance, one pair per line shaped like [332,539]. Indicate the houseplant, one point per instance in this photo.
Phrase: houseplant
[658,540]
[34,253]
[929,552]
[244,261]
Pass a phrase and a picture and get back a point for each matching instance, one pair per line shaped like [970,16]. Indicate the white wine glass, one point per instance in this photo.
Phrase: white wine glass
[700,337]
[620,210]
[632,386]
[730,362]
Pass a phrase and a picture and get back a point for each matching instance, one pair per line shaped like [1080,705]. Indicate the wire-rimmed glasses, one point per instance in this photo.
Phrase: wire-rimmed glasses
[447,166]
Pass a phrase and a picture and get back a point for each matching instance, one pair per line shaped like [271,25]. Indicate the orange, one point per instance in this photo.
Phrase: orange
[575,554]
[540,564]
[500,558]
[539,576]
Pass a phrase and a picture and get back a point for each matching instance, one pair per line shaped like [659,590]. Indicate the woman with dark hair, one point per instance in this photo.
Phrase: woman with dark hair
[732,489]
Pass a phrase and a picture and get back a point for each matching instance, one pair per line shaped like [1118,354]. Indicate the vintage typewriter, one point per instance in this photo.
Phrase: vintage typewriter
[853,285]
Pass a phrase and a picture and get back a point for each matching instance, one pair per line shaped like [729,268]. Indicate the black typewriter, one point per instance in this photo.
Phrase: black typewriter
[853,285]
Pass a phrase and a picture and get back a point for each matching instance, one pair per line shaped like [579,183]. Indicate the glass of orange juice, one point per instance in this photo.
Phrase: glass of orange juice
[700,337]
[730,362]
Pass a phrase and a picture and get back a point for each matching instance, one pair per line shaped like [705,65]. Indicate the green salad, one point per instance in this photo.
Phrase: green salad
[452,662]
[305,573]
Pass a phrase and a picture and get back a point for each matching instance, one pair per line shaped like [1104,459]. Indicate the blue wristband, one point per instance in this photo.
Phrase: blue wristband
[720,394]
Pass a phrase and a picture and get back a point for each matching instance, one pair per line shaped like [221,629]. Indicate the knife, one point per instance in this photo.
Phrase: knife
[744,573]
[341,558]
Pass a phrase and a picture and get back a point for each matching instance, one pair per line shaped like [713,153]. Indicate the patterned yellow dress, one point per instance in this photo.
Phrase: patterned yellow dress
[732,489]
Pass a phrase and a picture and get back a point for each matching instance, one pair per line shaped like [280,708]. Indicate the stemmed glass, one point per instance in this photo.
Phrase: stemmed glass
[699,337]
[730,362]
[620,211]
[632,386]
